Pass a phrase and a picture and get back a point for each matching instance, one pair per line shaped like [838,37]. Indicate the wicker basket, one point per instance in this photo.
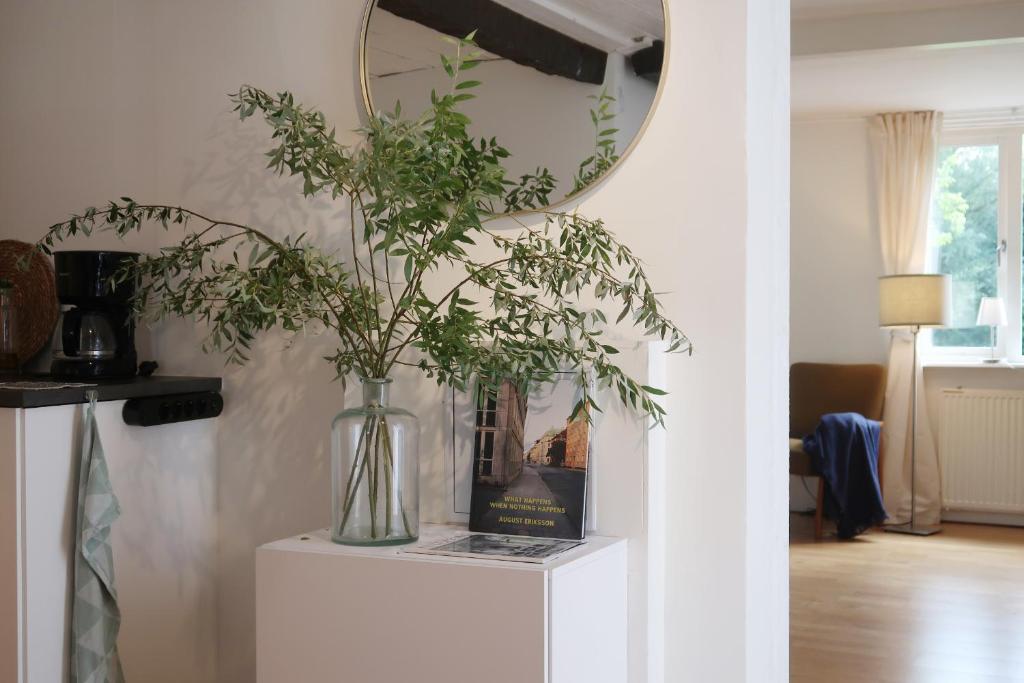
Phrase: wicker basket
[35,295]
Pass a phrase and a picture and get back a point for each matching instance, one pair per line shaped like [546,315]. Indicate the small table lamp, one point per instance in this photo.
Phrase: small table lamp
[914,301]
[992,313]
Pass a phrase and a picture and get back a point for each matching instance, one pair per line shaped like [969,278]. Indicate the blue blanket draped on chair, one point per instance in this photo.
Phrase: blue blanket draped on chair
[844,448]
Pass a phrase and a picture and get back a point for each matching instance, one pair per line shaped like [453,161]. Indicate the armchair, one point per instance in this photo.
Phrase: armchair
[816,389]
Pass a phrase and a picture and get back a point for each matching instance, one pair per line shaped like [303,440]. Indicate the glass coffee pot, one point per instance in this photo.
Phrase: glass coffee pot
[85,334]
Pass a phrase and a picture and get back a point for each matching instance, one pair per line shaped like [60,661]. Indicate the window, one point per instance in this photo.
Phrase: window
[484,453]
[965,232]
[487,408]
[976,199]
[486,422]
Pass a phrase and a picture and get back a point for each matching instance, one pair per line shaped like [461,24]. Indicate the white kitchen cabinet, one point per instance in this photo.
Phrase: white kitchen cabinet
[37,476]
[162,543]
[339,614]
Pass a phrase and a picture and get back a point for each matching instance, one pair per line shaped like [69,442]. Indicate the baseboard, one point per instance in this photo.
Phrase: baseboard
[997,518]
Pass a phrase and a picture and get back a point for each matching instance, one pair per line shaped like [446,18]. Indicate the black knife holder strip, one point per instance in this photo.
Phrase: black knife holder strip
[150,411]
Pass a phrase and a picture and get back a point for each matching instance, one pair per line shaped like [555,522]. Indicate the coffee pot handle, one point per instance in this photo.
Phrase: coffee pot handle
[70,331]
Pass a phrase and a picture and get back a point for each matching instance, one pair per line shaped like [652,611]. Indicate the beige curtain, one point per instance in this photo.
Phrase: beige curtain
[906,147]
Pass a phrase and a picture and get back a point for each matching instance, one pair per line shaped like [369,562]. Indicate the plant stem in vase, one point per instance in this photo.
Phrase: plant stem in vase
[375,471]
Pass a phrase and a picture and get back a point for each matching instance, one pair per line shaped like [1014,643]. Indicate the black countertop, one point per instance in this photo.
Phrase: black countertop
[106,389]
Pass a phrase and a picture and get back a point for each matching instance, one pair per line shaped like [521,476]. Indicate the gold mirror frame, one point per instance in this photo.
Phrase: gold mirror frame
[364,86]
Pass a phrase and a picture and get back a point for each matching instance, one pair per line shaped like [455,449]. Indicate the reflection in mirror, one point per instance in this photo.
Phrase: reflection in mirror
[566,85]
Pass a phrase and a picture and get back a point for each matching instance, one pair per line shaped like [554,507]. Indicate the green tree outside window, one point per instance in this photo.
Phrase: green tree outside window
[965,220]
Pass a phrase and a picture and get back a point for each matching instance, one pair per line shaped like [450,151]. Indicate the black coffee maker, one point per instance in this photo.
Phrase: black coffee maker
[96,334]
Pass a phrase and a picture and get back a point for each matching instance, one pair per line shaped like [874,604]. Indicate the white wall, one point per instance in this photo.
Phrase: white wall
[166,548]
[702,201]
[112,98]
[851,27]
[834,255]
[835,258]
[79,127]
[767,341]
[948,78]
[273,465]
[77,114]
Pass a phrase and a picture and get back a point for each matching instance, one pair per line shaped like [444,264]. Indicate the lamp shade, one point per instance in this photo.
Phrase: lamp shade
[991,312]
[915,301]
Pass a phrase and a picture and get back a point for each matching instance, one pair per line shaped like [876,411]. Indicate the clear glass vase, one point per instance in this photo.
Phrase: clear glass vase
[375,471]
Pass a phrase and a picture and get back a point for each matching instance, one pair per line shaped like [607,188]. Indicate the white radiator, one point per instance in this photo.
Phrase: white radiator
[981,450]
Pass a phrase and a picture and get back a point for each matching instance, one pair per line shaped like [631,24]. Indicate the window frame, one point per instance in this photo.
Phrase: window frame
[1010,224]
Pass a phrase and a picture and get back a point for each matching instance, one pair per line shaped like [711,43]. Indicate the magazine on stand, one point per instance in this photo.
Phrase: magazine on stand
[498,547]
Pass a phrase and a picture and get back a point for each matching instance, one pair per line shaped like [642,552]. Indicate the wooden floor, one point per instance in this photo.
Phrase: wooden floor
[903,609]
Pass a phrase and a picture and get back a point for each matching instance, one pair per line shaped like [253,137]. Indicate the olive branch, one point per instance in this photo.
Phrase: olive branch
[421,195]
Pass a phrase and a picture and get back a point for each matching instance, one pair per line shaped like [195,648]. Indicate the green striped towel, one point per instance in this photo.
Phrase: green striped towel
[96,618]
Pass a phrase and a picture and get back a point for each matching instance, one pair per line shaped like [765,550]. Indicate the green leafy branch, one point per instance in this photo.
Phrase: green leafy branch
[419,193]
[605,155]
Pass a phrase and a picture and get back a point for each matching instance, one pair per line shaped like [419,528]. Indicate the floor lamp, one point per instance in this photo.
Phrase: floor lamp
[914,301]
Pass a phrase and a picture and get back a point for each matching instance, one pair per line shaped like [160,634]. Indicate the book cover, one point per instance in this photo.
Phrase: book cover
[530,462]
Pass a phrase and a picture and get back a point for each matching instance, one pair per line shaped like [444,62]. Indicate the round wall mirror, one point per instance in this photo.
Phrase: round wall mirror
[567,86]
